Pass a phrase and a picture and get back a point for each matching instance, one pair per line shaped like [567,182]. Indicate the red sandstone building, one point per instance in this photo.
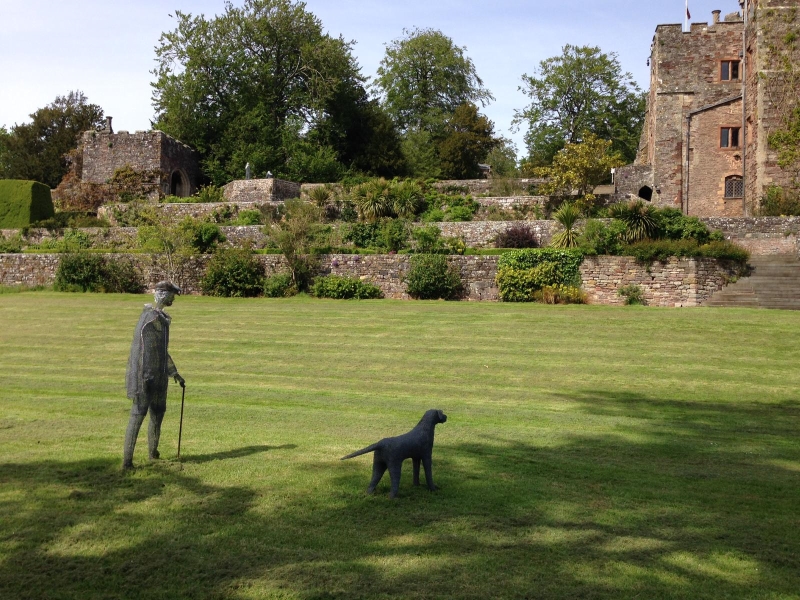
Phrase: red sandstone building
[716,93]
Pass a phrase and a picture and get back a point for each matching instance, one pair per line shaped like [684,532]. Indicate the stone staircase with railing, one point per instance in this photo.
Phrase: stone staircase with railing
[773,282]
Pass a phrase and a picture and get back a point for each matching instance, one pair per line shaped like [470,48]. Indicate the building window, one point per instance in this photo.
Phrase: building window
[729,70]
[734,187]
[729,137]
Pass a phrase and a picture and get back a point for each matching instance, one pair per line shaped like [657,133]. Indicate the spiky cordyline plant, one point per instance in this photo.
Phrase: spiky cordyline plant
[639,219]
[567,216]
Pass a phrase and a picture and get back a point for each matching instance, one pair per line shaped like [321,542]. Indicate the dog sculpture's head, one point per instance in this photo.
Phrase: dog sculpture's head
[436,416]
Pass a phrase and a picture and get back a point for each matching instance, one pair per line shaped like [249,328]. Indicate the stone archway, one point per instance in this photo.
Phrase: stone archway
[646,193]
[178,185]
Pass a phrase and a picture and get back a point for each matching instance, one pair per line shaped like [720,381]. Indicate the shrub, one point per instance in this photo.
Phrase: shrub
[649,250]
[560,294]
[209,193]
[279,286]
[394,234]
[431,278]
[10,245]
[428,240]
[672,224]
[202,236]
[23,203]
[633,294]
[522,273]
[459,213]
[249,217]
[344,288]
[83,272]
[79,272]
[121,276]
[516,236]
[779,202]
[599,238]
[362,235]
[233,272]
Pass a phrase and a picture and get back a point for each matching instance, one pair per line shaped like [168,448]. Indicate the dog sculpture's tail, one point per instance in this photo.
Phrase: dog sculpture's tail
[366,450]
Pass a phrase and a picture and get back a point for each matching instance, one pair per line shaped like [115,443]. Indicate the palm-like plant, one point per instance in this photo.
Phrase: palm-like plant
[320,195]
[639,218]
[567,216]
[373,199]
[406,198]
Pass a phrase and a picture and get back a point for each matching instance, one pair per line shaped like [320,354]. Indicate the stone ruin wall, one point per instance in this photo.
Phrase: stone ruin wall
[149,151]
[676,282]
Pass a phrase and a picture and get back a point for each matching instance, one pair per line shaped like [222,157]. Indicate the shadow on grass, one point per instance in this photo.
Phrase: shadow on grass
[667,515]
[237,453]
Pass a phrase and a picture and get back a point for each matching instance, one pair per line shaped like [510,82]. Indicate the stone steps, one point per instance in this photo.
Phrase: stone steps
[773,282]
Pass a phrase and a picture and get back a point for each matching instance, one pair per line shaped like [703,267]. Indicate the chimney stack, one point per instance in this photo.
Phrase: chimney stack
[716,14]
[108,125]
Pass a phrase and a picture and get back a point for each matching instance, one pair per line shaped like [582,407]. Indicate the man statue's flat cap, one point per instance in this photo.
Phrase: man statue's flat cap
[168,286]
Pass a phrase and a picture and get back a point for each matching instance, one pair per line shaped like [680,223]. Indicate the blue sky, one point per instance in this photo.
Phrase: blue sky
[105,47]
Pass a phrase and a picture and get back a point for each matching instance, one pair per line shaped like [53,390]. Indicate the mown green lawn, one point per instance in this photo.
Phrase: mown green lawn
[590,452]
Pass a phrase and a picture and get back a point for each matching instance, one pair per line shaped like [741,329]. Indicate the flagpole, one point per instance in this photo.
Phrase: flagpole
[686,17]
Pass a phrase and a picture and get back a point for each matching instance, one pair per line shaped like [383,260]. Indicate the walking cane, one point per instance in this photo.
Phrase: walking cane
[180,428]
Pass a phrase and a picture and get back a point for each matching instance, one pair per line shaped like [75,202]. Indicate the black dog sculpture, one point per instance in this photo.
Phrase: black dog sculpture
[390,453]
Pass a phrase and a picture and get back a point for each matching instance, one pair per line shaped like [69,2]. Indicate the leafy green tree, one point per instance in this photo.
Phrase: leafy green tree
[37,150]
[424,77]
[262,83]
[503,159]
[583,90]
[468,137]
[579,168]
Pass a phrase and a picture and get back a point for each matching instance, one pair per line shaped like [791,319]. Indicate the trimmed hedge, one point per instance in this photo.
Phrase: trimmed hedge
[23,203]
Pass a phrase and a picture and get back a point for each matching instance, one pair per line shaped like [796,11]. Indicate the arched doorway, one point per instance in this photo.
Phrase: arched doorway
[646,193]
[177,185]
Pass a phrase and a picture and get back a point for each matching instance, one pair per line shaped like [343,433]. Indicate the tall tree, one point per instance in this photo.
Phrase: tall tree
[37,150]
[256,84]
[468,138]
[424,77]
[582,90]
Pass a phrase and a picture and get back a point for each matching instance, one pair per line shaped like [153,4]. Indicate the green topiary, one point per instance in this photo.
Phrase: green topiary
[431,278]
[23,203]
[344,288]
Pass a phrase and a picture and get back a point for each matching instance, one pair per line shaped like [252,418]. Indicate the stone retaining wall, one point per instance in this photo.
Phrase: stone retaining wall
[676,282]
[760,235]
[175,212]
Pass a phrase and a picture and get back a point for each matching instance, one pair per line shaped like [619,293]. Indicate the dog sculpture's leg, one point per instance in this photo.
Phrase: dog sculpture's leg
[416,470]
[378,469]
[426,462]
[394,472]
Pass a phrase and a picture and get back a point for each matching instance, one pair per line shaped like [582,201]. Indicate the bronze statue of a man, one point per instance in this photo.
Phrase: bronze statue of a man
[149,369]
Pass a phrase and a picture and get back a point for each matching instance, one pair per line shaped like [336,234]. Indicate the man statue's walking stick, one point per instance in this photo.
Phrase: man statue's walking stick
[180,427]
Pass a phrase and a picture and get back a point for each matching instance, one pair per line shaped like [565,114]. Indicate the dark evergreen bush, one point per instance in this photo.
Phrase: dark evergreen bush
[430,277]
